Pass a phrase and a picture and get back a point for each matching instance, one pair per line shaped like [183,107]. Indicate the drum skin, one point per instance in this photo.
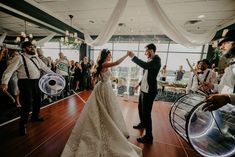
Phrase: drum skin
[211,134]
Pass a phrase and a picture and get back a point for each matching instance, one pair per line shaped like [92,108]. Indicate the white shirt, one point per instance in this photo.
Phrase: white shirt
[227,81]
[18,66]
[144,87]
[193,82]
[163,73]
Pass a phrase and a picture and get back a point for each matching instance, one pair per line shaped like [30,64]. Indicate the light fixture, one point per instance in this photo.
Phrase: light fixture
[70,39]
[201,16]
[24,36]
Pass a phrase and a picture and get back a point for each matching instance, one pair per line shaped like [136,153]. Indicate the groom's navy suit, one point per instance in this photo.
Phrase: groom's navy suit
[148,90]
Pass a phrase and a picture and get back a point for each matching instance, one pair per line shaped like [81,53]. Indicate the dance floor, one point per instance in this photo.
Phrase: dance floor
[47,139]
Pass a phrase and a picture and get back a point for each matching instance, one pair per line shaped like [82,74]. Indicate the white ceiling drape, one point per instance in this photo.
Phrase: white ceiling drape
[110,27]
[175,32]
[16,47]
[2,38]
[46,39]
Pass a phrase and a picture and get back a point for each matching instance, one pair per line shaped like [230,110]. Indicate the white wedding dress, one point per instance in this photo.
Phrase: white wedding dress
[100,130]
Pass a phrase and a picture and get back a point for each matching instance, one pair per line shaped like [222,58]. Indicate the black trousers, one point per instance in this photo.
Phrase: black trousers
[30,96]
[145,108]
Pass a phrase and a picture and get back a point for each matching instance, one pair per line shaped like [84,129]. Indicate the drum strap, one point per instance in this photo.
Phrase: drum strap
[26,67]
[207,74]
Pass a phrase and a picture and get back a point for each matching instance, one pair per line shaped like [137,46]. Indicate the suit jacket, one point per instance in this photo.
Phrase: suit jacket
[153,68]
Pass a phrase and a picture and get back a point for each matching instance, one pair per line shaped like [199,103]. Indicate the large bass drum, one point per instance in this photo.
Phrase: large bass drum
[212,134]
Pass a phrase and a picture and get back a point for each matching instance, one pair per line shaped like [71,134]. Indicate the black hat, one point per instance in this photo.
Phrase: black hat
[26,44]
[230,36]
[205,61]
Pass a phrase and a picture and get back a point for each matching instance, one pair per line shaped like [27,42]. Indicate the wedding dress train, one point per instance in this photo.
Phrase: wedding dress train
[100,130]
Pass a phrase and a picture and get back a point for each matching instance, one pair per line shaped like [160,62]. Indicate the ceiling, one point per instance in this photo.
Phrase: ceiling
[91,16]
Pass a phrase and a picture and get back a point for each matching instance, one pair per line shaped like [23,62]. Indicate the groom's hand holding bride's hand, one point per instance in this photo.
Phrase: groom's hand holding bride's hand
[130,53]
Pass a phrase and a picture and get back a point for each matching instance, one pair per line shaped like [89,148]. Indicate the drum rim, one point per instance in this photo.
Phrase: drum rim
[189,139]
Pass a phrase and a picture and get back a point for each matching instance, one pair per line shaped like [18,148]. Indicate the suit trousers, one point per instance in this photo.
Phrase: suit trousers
[30,96]
[145,108]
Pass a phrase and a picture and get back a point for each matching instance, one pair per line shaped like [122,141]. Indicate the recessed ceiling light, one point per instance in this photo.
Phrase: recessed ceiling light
[201,16]
[91,21]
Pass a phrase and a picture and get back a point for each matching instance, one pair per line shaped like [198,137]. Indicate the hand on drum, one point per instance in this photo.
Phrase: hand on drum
[216,101]
[206,86]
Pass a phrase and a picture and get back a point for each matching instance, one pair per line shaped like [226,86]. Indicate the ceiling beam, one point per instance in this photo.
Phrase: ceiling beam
[38,14]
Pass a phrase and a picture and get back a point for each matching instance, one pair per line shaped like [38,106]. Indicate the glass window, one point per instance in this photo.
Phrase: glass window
[177,59]
[126,46]
[52,49]
[51,45]
[105,46]
[181,48]
[129,74]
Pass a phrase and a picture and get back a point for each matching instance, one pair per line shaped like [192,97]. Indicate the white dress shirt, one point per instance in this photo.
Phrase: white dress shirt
[192,84]
[18,66]
[227,82]
[144,87]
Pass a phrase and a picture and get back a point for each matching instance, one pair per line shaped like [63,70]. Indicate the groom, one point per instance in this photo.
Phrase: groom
[148,90]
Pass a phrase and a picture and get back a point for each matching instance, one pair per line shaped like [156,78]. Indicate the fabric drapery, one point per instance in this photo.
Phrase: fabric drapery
[16,47]
[46,39]
[110,27]
[172,30]
[175,32]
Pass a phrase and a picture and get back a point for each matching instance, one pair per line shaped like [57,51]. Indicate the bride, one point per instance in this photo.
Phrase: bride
[101,129]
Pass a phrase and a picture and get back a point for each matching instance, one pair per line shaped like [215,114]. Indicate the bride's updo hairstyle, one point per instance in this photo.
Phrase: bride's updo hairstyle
[100,60]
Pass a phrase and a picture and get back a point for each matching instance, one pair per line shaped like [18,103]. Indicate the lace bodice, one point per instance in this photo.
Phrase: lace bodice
[105,76]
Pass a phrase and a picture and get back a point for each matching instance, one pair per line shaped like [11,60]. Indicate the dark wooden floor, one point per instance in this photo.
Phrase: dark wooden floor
[47,139]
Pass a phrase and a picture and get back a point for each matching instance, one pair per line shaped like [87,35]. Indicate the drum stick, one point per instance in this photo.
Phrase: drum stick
[216,122]
[194,71]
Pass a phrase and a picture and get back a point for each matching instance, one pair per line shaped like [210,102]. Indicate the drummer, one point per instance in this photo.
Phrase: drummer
[28,67]
[227,83]
[204,73]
